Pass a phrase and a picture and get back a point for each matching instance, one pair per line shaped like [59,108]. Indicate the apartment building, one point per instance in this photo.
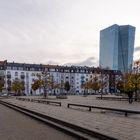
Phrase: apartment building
[75,75]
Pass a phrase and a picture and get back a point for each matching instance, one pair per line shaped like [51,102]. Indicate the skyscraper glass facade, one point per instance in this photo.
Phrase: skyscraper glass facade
[117,47]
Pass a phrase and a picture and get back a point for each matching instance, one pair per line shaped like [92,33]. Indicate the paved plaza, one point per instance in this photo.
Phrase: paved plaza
[106,122]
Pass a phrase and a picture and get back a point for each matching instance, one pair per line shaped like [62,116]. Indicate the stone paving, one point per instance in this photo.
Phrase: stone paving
[16,126]
[105,122]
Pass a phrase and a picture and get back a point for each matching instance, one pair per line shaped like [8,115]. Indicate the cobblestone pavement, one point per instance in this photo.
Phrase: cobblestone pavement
[16,126]
[106,122]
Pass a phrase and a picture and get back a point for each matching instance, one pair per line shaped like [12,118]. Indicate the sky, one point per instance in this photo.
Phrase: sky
[62,32]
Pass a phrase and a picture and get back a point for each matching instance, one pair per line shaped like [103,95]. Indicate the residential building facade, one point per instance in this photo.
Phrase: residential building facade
[136,66]
[75,75]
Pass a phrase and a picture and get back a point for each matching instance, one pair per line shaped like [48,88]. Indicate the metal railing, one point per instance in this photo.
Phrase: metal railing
[125,111]
[40,101]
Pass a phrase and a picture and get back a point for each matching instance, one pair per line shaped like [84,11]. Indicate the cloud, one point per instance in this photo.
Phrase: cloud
[43,31]
[91,61]
[55,31]
[50,62]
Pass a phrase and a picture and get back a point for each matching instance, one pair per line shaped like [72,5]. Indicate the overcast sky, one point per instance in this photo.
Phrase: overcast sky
[61,31]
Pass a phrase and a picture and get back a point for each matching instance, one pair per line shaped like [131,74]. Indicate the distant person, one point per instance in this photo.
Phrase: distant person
[130,96]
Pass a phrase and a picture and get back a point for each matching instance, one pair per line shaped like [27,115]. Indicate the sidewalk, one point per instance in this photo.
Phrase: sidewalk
[106,122]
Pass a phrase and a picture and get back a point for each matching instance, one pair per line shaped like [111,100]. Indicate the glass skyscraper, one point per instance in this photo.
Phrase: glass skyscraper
[117,47]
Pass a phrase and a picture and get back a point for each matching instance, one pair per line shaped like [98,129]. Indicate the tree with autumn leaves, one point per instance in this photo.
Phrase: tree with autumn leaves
[86,86]
[37,84]
[130,83]
[18,87]
[44,81]
[1,86]
[93,84]
[1,83]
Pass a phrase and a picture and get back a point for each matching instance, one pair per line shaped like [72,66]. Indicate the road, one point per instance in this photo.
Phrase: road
[17,126]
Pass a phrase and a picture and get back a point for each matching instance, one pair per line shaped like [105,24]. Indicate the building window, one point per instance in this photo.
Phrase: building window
[33,74]
[22,73]
[21,68]
[52,70]
[8,72]
[8,68]
[67,71]
[33,69]
[14,68]
[16,73]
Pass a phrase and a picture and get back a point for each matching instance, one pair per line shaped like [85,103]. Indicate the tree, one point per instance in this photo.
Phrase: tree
[95,85]
[67,86]
[37,84]
[1,83]
[126,85]
[130,83]
[120,86]
[100,71]
[45,80]
[1,86]
[135,81]
[18,87]
[86,86]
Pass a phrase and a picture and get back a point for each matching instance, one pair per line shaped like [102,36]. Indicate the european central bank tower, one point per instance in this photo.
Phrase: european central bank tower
[117,47]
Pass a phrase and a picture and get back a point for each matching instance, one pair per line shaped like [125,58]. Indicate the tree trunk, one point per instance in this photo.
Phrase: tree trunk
[136,95]
[45,93]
